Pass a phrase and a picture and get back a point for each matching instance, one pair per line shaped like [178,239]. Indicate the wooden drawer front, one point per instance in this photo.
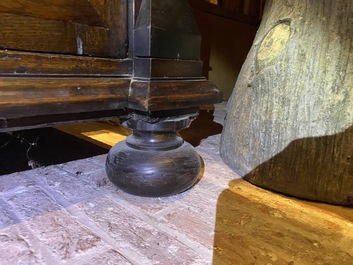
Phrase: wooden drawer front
[78,27]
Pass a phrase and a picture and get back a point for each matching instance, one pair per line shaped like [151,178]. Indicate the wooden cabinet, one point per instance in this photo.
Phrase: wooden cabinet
[80,27]
[71,60]
[62,60]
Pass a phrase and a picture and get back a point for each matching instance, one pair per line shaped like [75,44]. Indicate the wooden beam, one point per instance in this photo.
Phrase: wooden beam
[78,11]
[29,63]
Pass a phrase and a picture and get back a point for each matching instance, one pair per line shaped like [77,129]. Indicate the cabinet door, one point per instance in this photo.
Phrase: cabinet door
[78,27]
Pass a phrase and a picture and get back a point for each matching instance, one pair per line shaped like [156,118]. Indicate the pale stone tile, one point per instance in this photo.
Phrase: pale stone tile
[5,219]
[153,206]
[6,216]
[99,160]
[124,226]
[99,180]
[28,202]
[71,187]
[63,235]
[18,246]
[16,181]
[109,257]
[199,228]
[82,166]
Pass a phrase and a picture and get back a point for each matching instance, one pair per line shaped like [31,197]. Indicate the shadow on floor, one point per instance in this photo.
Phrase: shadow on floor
[29,149]
[201,128]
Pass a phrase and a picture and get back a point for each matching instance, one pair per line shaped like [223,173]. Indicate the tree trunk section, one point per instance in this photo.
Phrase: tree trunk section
[289,121]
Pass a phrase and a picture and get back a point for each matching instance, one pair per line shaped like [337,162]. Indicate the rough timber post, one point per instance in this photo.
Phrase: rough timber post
[289,122]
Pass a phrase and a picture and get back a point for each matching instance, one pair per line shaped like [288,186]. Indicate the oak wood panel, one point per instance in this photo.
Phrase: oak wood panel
[24,123]
[169,95]
[29,33]
[165,68]
[64,10]
[26,63]
[115,14]
[26,97]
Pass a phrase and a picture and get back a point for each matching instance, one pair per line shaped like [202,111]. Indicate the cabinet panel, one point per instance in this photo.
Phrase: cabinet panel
[78,27]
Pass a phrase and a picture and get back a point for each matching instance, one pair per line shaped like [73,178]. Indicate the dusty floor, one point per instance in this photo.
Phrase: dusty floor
[71,214]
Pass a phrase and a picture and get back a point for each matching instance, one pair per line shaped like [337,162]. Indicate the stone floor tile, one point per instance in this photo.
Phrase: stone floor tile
[198,227]
[82,166]
[19,246]
[99,179]
[7,217]
[153,206]
[71,187]
[148,240]
[197,199]
[63,235]
[107,257]
[99,160]
[16,182]
[30,202]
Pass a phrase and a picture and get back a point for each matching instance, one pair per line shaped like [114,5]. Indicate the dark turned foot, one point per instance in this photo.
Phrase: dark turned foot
[154,161]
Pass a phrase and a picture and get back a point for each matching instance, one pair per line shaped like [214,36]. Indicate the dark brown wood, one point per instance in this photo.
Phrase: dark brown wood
[158,68]
[39,64]
[234,5]
[256,8]
[42,32]
[223,12]
[177,94]
[154,161]
[63,10]
[54,69]
[167,69]
[24,123]
[29,97]
[161,31]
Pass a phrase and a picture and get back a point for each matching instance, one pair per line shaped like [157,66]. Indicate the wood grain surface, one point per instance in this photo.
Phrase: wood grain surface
[28,97]
[81,27]
[48,64]
[290,117]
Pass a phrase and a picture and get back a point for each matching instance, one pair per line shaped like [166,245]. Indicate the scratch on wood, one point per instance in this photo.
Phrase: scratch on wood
[79,45]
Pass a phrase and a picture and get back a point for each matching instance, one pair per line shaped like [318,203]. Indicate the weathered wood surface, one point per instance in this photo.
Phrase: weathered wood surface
[168,95]
[167,66]
[166,29]
[29,97]
[289,121]
[64,10]
[158,68]
[48,64]
[96,28]
[41,74]
[39,121]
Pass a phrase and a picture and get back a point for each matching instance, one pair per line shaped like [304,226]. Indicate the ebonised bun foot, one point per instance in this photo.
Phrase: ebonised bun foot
[154,161]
